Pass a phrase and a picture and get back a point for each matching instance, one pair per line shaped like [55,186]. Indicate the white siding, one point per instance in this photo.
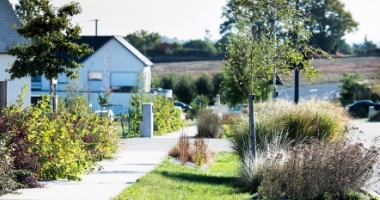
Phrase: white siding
[120,60]
[14,87]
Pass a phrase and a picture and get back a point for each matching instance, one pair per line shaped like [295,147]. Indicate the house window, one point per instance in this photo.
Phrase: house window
[122,89]
[36,79]
[123,82]
[94,76]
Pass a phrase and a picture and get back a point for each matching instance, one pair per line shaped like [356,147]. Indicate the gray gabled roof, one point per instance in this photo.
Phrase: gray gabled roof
[134,51]
[96,42]
[8,35]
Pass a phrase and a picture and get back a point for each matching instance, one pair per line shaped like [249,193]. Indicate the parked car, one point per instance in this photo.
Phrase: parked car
[361,108]
[185,107]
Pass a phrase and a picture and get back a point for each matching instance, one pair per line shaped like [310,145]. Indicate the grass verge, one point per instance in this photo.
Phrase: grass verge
[173,181]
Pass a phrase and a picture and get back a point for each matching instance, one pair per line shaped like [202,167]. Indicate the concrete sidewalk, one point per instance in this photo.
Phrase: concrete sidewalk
[370,131]
[136,157]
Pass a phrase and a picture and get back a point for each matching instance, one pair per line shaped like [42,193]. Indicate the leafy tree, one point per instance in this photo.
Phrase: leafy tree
[155,82]
[331,23]
[217,79]
[143,40]
[222,43]
[176,46]
[349,88]
[364,48]
[184,89]
[168,81]
[330,20]
[52,49]
[203,85]
[200,45]
[26,9]
[344,48]
[163,48]
[257,52]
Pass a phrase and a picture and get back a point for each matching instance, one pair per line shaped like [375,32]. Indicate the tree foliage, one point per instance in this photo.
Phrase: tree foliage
[200,45]
[222,43]
[254,53]
[184,89]
[204,86]
[143,40]
[349,88]
[26,9]
[168,81]
[217,79]
[51,50]
[330,21]
[367,47]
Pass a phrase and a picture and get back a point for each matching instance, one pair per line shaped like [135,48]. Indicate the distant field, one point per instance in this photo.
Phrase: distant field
[332,70]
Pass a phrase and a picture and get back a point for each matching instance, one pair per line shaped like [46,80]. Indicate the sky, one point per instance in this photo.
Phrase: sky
[188,19]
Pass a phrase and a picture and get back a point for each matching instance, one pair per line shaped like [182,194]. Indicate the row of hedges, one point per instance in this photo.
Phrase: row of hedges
[47,146]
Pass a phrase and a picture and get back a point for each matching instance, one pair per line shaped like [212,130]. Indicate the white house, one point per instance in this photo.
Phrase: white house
[115,64]
[9,90]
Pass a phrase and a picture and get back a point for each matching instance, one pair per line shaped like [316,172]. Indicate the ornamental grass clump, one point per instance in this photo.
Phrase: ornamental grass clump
[196,151]
[209,124]
[315,169]
[313,118]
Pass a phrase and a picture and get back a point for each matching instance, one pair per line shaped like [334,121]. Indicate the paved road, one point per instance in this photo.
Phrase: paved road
[323,91]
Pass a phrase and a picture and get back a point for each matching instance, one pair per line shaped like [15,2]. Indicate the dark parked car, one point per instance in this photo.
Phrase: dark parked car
[185,107]
[361,108]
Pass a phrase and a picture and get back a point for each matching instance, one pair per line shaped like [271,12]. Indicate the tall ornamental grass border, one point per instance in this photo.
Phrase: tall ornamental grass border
[308,119]
[303,152]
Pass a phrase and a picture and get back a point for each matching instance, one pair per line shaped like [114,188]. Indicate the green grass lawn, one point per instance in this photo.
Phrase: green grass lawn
[174,181]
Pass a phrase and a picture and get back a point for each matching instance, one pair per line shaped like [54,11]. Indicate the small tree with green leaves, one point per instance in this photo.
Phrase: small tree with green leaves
[271,39]
[349,88]
[184,89]
[203,85]
[168,81]
[52,49]
[143,40]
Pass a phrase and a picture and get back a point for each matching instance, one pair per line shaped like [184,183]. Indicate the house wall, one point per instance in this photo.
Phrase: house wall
[120,60]
[14,87]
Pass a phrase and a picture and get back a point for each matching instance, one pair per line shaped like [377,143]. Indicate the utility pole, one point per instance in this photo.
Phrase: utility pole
[96,27]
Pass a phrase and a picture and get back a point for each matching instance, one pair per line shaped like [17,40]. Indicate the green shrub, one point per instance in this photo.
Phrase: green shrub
[166,117]
[67,144]
[184,89]
[204,86]
[61,145]
[14,127]
[209,124]
[7,173]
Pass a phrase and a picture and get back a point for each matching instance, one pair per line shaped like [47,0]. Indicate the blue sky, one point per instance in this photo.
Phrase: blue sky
[188,19]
